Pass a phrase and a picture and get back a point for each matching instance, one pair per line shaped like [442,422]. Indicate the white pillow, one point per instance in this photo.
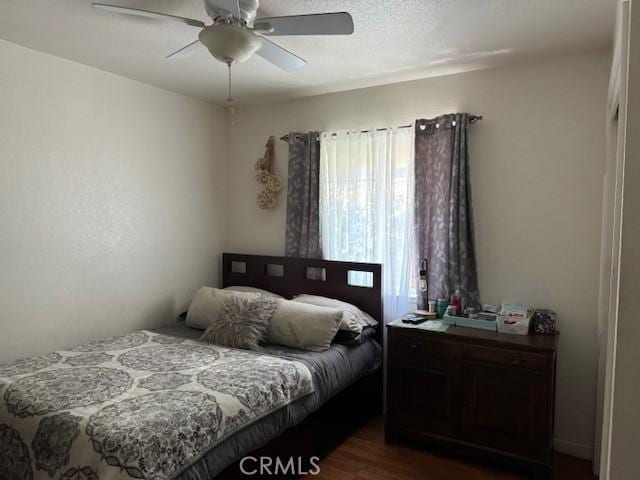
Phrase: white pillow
[206,306]
[303,326]
[264,293]
[353,319]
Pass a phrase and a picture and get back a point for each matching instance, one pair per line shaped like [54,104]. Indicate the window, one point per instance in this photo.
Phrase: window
[366,205]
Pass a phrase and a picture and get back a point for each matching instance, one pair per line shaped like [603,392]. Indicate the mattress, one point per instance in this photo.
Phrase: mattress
[142,405]
[160,404]
[332,371]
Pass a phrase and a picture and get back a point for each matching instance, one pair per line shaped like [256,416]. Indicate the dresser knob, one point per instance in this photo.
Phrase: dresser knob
[515,361]
[414,346]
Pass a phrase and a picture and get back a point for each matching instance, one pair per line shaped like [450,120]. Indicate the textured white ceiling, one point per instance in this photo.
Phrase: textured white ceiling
[394,40]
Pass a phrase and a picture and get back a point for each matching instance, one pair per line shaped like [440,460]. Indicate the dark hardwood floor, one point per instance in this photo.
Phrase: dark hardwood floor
[365,456]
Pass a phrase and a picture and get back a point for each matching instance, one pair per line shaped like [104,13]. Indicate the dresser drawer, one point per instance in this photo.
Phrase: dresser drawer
[412,346]
[509,358]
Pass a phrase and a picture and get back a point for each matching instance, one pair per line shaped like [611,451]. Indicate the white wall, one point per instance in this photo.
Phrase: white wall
[112,202]
[537,164]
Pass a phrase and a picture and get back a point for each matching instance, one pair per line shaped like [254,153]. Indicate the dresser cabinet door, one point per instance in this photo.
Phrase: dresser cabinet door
[507,409]
[421,388]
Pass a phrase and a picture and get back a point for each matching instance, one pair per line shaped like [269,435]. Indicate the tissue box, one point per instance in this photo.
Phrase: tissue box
[513,324]
[544,322]
[514,319]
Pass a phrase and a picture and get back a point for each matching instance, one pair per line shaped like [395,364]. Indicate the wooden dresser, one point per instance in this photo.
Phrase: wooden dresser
[478,392]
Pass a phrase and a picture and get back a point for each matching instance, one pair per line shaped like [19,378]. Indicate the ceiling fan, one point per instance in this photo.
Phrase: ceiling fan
[236,34]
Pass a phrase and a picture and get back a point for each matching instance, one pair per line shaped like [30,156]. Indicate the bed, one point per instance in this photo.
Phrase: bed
[162,404]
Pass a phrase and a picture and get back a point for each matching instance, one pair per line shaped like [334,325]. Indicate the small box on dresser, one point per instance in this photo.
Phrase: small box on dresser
[544,322]
[481,393]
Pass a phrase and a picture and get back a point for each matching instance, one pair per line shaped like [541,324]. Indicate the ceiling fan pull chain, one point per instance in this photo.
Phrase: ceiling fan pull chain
[229,98]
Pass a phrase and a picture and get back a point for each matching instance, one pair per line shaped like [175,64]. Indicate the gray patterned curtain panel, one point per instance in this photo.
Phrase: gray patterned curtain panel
[443,213]
[303,196]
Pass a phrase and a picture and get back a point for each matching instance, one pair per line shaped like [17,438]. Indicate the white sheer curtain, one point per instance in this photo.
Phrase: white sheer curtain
[366,206]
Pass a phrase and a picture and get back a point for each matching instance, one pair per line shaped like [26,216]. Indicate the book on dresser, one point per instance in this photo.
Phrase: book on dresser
[481,393]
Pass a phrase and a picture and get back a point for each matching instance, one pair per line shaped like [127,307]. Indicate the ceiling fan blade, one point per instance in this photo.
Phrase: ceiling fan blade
[184,52]
[147,13]
[339,23]
[280,57]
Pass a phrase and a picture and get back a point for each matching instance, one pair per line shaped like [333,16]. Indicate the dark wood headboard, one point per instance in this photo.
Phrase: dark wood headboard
[292,279]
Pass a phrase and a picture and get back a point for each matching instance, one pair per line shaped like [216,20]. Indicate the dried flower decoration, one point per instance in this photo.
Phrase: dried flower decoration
[274,184]
[267,198]
[262,177]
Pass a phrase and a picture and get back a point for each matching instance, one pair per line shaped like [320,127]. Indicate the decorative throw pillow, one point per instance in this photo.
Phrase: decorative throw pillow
[303,326]
[206,306]
[241,288]
[353,319]
[242,323]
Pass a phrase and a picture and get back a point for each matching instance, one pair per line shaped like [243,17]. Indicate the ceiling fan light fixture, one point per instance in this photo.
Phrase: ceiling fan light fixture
[230,42]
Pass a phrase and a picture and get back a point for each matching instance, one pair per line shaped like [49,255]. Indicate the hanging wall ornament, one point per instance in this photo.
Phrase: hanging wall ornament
[267,198]
[262,177]
[273,184]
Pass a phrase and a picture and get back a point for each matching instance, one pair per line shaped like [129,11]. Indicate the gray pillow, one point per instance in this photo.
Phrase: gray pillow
[242,322]
[345,337]
[353,319]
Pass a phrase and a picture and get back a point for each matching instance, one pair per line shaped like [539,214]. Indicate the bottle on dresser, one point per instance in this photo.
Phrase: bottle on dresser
[456,301]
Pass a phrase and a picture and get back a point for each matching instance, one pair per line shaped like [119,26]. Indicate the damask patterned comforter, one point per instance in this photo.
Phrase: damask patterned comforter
[143,405]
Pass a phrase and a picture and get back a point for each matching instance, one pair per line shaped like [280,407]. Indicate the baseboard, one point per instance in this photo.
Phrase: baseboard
[574,449]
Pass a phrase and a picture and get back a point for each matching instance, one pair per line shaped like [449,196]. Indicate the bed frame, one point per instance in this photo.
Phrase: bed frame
[324,429]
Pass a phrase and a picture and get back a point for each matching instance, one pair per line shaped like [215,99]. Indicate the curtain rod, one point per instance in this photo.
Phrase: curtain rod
[472,119]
